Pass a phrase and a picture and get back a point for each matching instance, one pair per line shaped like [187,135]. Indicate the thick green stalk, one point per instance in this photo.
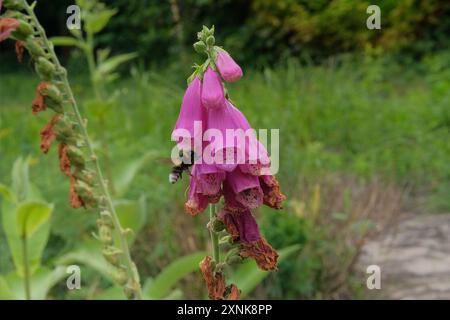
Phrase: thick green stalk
[26,269]
[65,86]
[214,236]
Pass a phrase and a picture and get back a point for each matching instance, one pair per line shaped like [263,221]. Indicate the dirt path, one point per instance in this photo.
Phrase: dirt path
[414,258]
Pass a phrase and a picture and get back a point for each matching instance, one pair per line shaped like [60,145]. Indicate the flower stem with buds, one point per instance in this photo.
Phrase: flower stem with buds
[132,288]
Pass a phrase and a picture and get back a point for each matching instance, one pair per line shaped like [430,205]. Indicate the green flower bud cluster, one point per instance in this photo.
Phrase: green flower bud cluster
[206,40]
[14,4]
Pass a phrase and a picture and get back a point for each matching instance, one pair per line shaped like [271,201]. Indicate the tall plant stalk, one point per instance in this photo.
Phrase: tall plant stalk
[133,289]
[214,235]
[26,268]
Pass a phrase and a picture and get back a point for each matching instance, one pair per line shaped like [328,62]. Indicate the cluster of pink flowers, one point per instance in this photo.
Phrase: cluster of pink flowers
[245,185]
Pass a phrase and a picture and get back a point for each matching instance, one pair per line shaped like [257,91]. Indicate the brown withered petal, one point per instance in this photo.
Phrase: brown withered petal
[19,50]
[39,101]
[265,256]
[48,134]
[232,292]
[75,200]
[226,217]
[64,162]
[214,282]
[272,192]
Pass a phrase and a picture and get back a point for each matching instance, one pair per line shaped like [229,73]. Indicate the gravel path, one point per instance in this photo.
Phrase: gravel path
[414,258]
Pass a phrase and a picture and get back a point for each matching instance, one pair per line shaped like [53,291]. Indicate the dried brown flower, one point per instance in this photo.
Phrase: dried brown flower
[20,50]
[39,101]
[48,134]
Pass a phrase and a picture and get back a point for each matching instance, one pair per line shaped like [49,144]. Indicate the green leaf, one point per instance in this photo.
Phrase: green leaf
[112,293]
[36,242]
[89,254]
[125,175]
[132,215]
[161,286]
[40,283]
[5,290]
[98,20]
[111,64]
[66,41]
[20,179]
[30,216]
[248,276]
[6,193]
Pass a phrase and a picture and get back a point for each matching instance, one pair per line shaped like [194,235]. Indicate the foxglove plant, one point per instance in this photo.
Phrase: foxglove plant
[77,159]
[244,183]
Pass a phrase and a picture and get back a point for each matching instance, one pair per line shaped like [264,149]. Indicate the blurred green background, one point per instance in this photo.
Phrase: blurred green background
[364,124]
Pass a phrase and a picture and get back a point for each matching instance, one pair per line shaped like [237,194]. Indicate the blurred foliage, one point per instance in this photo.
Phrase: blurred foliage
[261,32]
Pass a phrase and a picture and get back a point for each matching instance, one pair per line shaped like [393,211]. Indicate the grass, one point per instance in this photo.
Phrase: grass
[363,120]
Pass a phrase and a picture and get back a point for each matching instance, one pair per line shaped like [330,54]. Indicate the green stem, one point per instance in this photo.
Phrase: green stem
[129,264]
[26,269]
[214,236]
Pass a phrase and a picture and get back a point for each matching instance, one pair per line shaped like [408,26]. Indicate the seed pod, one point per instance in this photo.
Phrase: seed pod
[210,41]
[34,48]
[129,291]
[45,68]
[64,130]
[112,255]
[23,31]
[76,157]
[53,98]
[120,276]
[199,46]
[217,225]
[106,219]
[233,257]
[86,176]
[105,235]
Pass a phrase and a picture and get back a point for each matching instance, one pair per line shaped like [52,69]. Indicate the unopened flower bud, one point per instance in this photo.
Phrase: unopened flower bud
[14,4]
[76,157]
[23,31]
[34,48]
[112,255]
[45,68]
[86,176]
[233,257]
[104,234]
[217,225]
[199,46]
[210,41]
[120,276]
